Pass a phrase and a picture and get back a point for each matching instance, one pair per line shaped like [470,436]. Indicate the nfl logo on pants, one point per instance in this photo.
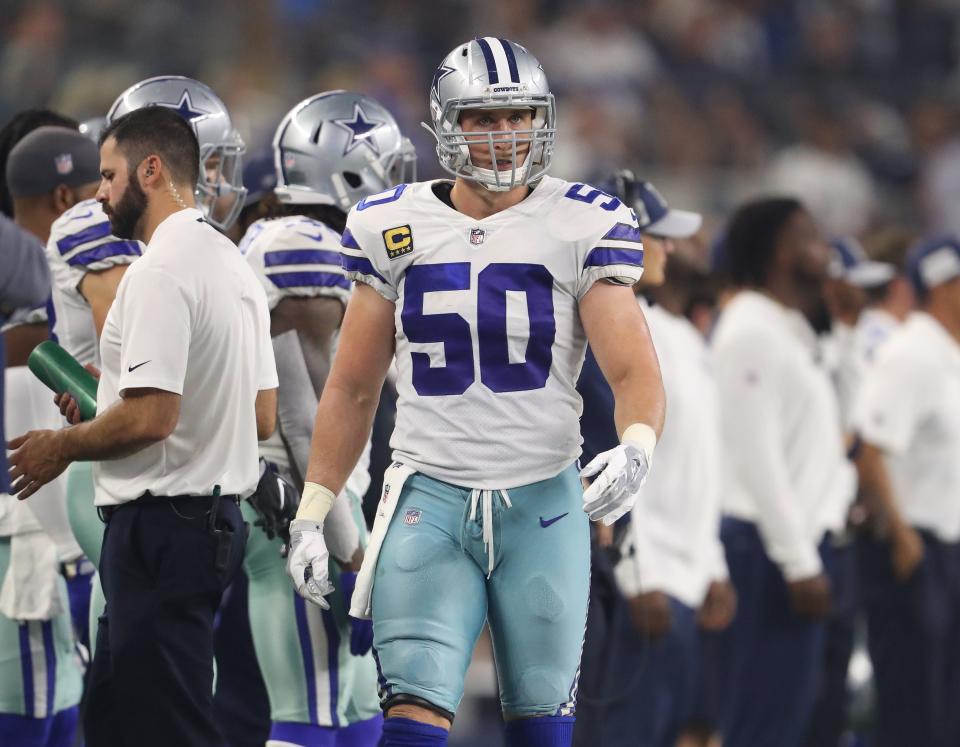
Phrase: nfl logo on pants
[412,517]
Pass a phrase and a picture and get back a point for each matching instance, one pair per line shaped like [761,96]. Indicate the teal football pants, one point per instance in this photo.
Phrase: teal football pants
[432,592]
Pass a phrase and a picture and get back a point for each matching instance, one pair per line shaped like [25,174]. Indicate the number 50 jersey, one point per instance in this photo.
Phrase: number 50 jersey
[489,341]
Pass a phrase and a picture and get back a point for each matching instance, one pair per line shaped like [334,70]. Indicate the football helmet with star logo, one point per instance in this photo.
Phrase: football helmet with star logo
[492,73]
[220,190]
[336,148]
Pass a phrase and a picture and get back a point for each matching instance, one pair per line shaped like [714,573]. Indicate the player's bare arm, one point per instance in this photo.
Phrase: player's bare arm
[266,407]
[100,288]
[349,401]
[316,321]
[620,339]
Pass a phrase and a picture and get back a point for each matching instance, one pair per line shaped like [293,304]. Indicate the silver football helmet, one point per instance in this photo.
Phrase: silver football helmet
[336,148]
[492,73]
[220,190]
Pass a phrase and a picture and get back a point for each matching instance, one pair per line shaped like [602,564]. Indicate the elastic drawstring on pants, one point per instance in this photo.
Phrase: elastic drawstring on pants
[485,499]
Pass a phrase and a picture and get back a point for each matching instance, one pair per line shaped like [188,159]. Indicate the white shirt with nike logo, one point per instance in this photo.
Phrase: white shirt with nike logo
[191,318]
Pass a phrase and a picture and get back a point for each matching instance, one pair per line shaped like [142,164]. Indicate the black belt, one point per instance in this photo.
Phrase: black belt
[149,498]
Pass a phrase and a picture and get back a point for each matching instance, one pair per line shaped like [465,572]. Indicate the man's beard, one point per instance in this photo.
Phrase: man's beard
[126,216]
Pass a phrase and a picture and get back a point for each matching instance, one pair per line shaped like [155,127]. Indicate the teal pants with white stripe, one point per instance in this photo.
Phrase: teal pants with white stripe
[431,593]
[303,651]
[39,669]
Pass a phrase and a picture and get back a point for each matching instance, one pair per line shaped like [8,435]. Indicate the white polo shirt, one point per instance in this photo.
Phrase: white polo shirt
[675,524]
[910,408]
[786,466]
[190,317]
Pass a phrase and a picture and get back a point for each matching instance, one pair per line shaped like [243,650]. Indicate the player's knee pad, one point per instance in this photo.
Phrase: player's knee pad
[541,731]
[405,732]
[414,700]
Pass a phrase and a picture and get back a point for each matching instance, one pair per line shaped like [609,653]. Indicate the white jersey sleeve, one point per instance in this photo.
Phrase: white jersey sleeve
[81,242]
[489,341]
[295,257]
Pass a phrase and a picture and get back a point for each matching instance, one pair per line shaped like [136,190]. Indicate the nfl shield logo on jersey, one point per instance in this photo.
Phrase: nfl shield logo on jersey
[64,163]
[477,235]
[412,516]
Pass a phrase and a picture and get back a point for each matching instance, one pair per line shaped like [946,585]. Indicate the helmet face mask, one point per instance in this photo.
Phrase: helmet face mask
[219,191]
[489,73]
[338,147]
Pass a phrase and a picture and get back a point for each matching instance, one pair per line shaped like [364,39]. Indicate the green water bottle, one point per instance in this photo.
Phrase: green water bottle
[60,371]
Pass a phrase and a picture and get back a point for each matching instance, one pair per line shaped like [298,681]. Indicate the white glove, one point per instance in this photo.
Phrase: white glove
[621,471]
[307,561]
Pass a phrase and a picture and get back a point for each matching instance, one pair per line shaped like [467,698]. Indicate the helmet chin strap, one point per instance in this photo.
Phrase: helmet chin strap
[488,177]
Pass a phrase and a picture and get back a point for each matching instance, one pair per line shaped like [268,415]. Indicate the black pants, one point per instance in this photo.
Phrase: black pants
[775,658]
[829,719]
[163,570]
[913,633]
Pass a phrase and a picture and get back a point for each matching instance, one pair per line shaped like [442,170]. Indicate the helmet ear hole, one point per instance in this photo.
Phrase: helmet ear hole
[353,179]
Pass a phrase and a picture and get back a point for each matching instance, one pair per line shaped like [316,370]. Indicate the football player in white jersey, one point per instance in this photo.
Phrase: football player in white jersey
[331,150]
[486,289]
[49,170]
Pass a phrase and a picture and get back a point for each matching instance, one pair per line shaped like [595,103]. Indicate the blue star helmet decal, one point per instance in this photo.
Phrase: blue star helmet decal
[361,130]
[441,72]
[186,109]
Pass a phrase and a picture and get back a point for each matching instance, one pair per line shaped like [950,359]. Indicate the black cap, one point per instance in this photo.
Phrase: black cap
[48,157]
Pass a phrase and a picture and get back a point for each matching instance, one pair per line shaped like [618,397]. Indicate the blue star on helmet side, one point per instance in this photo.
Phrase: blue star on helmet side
[441,72]
[186,109]
[361,129]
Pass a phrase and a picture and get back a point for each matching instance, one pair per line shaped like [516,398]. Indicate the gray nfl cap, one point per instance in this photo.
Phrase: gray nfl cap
[48,157]
[655,217]
[934,262]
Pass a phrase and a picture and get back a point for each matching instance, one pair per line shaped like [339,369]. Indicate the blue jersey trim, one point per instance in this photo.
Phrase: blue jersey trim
[111,249]
[301,257]
[362,265]
[309,280]
[93,233]
[624,232]
[348,241]
[606,255]
[374,200]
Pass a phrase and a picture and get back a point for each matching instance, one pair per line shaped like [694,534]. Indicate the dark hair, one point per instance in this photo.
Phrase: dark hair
[19,126]
[157,130]
[752,236]
[329,215]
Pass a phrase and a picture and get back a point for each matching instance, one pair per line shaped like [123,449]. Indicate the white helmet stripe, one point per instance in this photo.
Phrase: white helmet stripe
[493,74]
[500,59]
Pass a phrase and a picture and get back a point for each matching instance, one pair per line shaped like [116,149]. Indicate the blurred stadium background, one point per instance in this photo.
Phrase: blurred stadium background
[850,104]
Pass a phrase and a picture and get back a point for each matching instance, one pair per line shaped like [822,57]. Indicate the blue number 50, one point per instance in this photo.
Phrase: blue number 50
[453,331]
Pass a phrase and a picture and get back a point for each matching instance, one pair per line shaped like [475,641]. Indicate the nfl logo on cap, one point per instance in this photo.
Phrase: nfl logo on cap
[477,236]
[64,163]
